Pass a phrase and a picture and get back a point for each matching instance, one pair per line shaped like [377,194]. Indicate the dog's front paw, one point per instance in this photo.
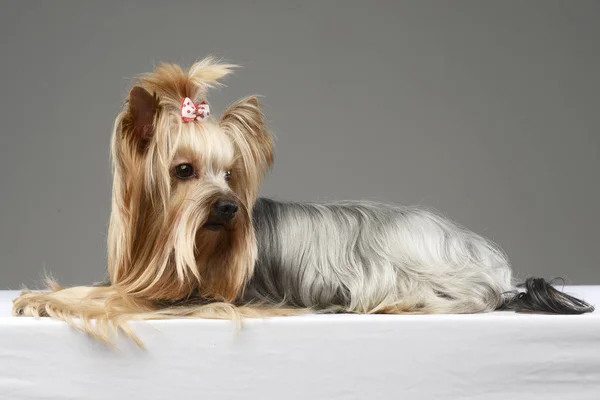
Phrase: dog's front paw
[30,304]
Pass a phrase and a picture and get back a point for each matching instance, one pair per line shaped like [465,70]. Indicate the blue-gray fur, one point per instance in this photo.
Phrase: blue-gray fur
[372,257]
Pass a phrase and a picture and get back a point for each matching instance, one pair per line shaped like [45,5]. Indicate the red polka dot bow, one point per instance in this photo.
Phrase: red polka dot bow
[191,111]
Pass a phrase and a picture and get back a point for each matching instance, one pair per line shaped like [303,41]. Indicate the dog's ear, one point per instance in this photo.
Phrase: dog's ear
[245,123]
[138,122]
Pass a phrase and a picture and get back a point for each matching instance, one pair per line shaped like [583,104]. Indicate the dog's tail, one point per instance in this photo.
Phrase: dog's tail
[541,297]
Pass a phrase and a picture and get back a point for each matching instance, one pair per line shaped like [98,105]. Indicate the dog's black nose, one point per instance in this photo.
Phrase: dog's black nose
[224,210]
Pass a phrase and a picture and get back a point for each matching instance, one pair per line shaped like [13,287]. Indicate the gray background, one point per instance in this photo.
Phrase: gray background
[487,111]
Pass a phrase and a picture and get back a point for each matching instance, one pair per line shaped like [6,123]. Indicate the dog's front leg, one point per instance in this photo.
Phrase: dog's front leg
[44,304]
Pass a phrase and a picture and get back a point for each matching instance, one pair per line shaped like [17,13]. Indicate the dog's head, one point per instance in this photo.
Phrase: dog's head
[184,188]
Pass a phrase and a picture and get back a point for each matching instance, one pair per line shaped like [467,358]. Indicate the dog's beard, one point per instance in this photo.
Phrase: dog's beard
[224,253]
[225,259]
[180,253]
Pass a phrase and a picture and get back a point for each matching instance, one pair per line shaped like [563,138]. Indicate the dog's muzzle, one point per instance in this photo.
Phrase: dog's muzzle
[222,213]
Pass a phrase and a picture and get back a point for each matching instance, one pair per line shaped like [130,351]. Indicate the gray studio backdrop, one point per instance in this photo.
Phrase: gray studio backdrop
[487,111]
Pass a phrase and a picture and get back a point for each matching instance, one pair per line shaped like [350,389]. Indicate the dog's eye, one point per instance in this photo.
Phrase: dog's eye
[228,176]
[184,171]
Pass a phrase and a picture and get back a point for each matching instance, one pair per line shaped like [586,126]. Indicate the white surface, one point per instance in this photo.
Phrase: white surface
[501,355]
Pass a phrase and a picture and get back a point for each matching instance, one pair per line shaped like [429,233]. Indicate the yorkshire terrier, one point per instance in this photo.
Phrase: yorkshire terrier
[189,237]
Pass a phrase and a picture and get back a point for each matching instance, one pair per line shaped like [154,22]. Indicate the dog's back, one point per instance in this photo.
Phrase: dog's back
[373,257]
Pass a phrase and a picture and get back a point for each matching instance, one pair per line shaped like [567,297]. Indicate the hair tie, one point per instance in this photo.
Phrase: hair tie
[191,111]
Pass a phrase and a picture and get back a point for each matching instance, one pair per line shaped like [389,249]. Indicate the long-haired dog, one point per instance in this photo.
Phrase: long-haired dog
[189,237]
